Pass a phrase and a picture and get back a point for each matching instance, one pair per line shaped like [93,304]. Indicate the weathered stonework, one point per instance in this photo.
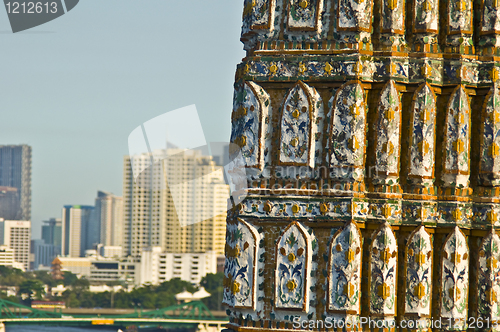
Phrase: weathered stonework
[370,135]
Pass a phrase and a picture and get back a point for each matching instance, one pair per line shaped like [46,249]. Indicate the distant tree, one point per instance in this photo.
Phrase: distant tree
[69,278]
[87,300]
[165,299]
[71,299]
[102,300]
[11,298]
[80,286]
[34,289]
[122,300]
[176,286]
[213,284]
[45,277]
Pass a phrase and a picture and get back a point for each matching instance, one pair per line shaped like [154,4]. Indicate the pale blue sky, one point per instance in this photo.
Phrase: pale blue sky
[76,87]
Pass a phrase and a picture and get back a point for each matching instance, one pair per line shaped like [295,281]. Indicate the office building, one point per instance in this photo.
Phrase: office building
[16,234]
[15,171]
[52,231]
[109,214]
[43,254]
[10,208]
[80,231]
[184,215]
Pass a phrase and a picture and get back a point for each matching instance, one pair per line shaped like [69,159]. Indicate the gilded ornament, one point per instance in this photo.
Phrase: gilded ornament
[328,68]
[463,6]
[454,295]
[323,208]
[384,291]
[427,6]
[303,4]
[420,291]
[392,4]
[390,115]
[422,212]
[386,255]
[291,285]
[349,256]
[491,295]
[302,68]
[494,72]
[495,150]
[495,116]
[291,257]
[424,147]
[461,118]
[492,261]
[354,110]
[296,114]
[492,216]
[386,211]
[273,69]
[456,258]
[295,209]
[235,288]
[268,207]
[425,116]
[457,214]
[421,259]
[349,290]
[353,143]
[294,142]
[459,146]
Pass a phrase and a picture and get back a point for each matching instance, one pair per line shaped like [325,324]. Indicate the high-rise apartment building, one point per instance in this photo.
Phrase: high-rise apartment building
[109,214]
[80,231]
[16,234]
[15,171]
[184,215]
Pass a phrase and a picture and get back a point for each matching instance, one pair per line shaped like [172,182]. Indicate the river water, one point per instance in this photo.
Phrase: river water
[56,329]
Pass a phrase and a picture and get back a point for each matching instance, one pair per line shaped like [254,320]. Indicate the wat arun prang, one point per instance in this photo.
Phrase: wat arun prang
[370,130]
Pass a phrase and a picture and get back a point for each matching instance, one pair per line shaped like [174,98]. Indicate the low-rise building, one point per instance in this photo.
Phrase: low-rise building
[99,270]
[80,266]
[16,234]
[7,258]
[158,267]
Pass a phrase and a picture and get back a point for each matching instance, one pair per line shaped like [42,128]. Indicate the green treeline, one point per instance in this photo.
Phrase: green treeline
[31,286]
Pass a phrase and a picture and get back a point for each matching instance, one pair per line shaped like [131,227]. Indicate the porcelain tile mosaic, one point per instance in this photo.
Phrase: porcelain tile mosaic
[370,137]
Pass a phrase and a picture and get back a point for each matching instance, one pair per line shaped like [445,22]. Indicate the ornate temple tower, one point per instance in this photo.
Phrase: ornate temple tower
[370,133]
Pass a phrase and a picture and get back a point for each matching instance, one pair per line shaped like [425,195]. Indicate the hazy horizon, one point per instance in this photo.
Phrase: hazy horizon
[74,88]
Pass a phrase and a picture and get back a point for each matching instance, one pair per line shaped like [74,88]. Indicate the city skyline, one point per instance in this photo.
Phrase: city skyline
[80,112]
